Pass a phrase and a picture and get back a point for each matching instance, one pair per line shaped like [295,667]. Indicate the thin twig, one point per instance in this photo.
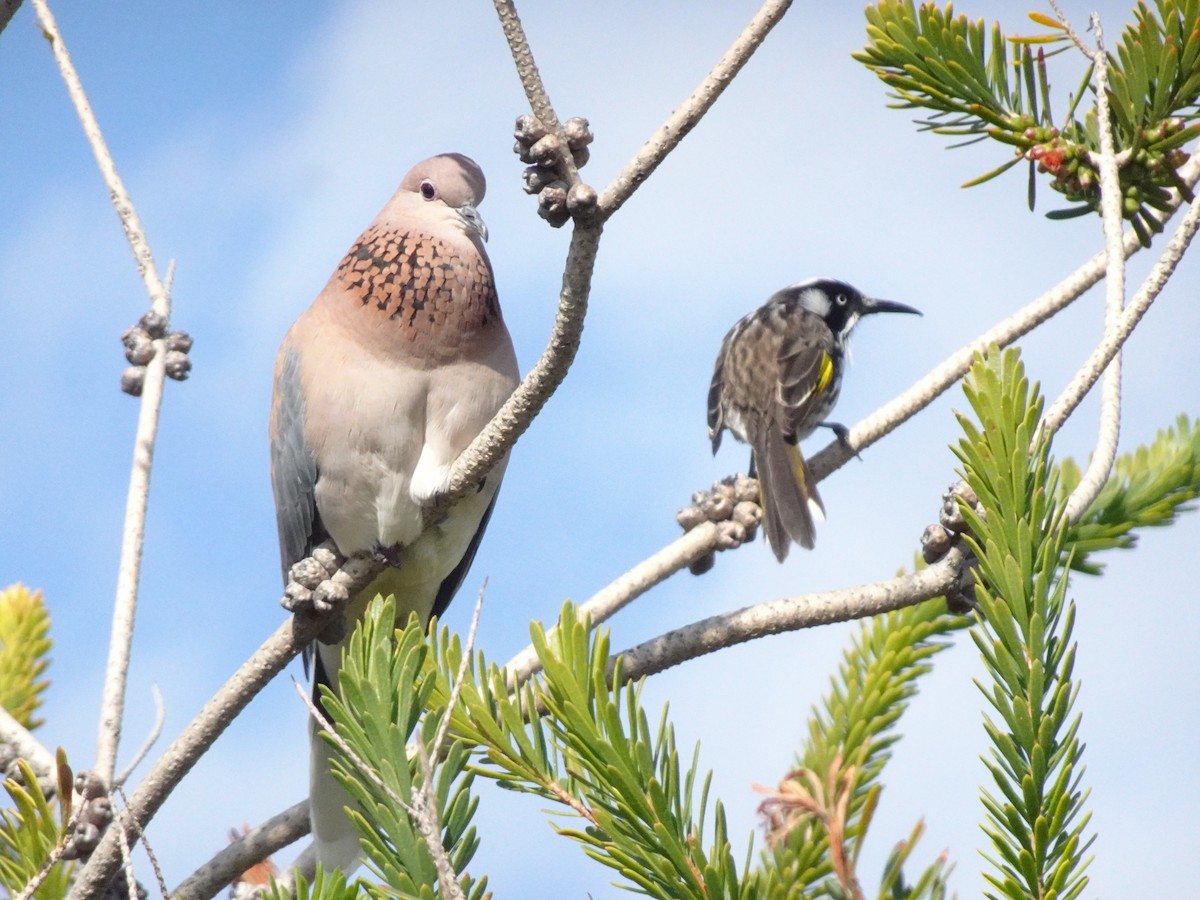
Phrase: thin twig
[134,233]
[461,677]
[340,742]
[149,850]
[422,810]
[56,852]
[160,718]
[54,856]
[569,800]
[118,825]
[527,70]
[789,614]
[1104,454]
[35,882]
[428,822]
[133,538]
[129,571]
[692,110]
[1074,35]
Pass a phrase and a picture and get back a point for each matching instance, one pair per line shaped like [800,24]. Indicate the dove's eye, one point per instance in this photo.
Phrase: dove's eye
[428,191]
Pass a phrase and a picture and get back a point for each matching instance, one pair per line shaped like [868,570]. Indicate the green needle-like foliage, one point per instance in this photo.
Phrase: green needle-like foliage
[1157,73]
[980,84]
[933,882]
[28,834]
[386,684]
[324,886]
[857,720]
[854,725]
[870,691]
[1037,823]
[577,735]
[508,729]
[1149,488]
[24,652]
[644,818]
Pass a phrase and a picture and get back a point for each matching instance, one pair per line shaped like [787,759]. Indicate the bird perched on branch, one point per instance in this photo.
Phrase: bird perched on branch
[380,384]
[776,378]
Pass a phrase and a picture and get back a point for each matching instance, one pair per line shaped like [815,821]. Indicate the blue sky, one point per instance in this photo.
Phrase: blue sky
[257,140]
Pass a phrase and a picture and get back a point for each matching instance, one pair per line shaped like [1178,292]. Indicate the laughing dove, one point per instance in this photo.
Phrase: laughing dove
[399,363]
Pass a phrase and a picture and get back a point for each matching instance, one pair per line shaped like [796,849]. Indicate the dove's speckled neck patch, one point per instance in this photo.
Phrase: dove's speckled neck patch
[423,286]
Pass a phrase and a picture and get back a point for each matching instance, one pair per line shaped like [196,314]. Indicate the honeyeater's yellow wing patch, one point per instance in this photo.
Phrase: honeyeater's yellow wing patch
[824,373]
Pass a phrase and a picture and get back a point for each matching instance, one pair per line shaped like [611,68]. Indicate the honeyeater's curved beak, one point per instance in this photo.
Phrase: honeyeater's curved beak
[871,305]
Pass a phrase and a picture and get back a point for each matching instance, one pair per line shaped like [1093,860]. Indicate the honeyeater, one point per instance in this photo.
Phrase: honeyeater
[776,379]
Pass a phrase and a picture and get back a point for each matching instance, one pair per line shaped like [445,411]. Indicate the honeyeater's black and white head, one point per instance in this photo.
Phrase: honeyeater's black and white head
[839,304]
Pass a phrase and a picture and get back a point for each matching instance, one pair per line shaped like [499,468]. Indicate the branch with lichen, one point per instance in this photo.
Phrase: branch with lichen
[590,211]
[790,614]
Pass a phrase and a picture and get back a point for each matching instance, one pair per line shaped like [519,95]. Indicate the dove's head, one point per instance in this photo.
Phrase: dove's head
[452,180]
